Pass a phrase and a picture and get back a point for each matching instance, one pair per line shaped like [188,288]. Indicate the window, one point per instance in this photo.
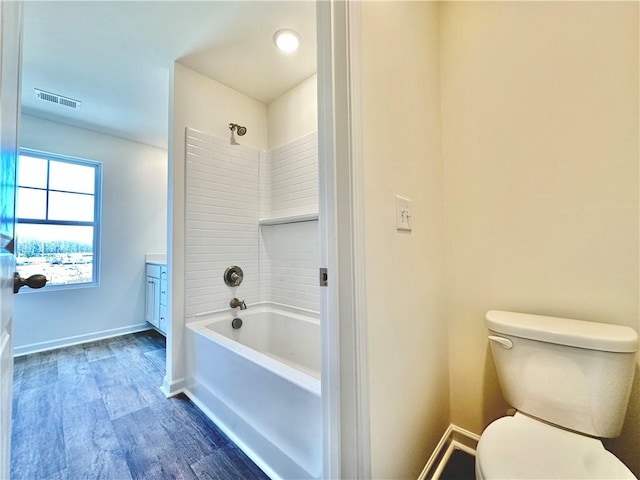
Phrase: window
[58,219]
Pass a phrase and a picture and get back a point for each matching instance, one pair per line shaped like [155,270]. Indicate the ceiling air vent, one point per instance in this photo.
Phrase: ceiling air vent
[59,99]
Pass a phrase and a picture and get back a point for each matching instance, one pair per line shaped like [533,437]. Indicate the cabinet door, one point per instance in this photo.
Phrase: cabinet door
[163,292]
[151,311]
[162,323]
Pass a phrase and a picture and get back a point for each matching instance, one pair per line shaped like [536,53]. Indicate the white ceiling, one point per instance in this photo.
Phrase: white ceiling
[115,56]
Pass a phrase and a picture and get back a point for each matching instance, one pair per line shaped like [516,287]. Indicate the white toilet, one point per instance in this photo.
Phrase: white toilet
[569,381]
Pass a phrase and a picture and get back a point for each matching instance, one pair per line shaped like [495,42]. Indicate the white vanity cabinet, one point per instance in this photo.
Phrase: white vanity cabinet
[156,306]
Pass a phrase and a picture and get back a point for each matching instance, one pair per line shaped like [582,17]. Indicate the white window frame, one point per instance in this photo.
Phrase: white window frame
[97,215]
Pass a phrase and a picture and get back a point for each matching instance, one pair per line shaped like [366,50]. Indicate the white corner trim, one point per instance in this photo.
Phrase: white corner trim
[454,438]
[171,388]
[438,453]
[77,339]
[466,440]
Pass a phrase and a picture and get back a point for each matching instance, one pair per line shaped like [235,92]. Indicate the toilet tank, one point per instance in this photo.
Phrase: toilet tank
[571,373]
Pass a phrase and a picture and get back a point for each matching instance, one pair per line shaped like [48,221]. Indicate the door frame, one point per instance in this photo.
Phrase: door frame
[10,74]
[345,378]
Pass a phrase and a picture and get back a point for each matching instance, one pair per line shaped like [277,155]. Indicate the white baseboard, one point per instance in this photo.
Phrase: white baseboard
[77,339]
[454,438]
[171,388]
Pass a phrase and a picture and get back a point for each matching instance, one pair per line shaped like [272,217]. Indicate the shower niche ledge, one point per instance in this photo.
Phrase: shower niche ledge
[304,217]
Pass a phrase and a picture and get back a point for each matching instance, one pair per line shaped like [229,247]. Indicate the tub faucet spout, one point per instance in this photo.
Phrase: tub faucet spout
[235,303]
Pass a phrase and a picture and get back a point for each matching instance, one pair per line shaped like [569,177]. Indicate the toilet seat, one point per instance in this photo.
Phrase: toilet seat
[521,447]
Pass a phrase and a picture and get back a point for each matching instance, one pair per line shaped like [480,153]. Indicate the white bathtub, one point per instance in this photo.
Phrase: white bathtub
[261,385]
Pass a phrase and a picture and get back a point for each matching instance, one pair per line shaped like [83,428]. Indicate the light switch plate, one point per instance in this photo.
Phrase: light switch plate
[403,214]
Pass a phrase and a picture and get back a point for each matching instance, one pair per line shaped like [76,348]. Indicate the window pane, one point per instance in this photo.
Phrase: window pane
[32,172]
[31,203]
[63,254]
[71,177]
[70,206]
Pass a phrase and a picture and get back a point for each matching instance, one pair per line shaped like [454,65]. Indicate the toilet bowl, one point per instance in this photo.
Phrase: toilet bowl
[569,382]
[521,447]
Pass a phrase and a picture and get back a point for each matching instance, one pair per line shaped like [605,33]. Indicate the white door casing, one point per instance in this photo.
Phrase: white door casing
[345,378]
[10,58]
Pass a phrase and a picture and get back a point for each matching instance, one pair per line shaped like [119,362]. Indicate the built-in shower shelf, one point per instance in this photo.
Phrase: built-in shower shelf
[305,217]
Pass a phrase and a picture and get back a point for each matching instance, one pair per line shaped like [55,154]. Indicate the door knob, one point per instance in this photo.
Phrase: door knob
[34,281]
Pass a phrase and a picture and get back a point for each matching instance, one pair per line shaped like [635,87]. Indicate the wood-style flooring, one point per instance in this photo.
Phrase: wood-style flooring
[95,411]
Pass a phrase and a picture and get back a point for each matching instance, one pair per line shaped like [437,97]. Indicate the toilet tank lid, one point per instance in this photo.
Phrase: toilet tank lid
[564,331]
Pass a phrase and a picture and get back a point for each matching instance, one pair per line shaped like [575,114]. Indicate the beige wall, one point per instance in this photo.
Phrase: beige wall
[294,113]
[540,153]
[407,329]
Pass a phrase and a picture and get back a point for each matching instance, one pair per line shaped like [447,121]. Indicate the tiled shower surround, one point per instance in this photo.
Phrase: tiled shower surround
[289,179]
[229,188]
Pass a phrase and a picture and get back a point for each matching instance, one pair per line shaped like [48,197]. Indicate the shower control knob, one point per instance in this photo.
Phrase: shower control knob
[233,276]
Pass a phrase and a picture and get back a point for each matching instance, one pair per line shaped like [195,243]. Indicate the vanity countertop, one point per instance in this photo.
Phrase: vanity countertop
[157,258]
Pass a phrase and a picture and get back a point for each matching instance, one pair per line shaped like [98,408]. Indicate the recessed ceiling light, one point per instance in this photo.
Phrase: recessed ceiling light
[287,40]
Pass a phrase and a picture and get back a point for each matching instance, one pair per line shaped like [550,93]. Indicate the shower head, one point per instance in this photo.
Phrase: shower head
[238,128]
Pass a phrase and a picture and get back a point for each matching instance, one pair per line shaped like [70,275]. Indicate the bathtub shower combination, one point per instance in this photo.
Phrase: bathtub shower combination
[260,383]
